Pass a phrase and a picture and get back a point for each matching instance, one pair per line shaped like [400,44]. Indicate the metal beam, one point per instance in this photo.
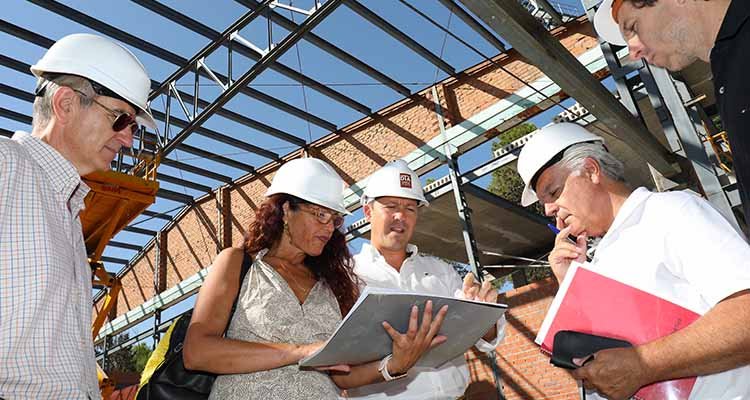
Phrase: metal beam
[554,14]
[474,24]
[114,260]
[333,50]
[196,170]
[219,137]
[527,35]
[220,39]
[133,229]
[405,39]
[99,26]
[254,71]
[124,245]
[178,181]
[154,214]
[22,95]
[15,116]
[174,196]
[6,133]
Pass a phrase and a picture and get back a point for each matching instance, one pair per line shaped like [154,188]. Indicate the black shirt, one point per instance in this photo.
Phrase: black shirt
[730,64]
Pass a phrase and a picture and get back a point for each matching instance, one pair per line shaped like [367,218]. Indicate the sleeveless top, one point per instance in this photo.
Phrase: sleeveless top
[268,311]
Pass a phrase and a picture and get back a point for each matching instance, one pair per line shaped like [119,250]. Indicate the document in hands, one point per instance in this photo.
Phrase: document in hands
[593,303]
[361,338]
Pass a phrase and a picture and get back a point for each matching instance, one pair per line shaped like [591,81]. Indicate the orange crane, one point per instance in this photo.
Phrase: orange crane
[115,199]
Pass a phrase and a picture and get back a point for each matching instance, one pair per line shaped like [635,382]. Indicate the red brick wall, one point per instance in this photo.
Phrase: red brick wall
[525,372]
[355,151]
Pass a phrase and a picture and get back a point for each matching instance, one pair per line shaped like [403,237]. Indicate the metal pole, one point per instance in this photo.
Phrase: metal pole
[464,215]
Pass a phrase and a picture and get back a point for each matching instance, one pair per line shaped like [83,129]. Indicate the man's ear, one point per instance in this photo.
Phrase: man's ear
[65,104]
[592,169]
[367,208]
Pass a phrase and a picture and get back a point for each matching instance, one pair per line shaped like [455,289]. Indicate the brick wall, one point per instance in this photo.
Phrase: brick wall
[355,151]
[525,372]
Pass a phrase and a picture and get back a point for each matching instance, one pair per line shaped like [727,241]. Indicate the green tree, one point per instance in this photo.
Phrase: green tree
[141,354]
[507,184]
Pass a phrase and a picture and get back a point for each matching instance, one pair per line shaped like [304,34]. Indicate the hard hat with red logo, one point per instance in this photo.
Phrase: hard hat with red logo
[394,179]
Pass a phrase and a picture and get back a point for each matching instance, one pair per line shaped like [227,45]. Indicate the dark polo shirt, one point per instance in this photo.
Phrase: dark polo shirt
[730,64]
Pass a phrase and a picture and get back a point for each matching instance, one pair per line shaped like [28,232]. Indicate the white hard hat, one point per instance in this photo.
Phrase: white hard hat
[605,24]
[105,62]
[311,180]
[547,143]
[394,179]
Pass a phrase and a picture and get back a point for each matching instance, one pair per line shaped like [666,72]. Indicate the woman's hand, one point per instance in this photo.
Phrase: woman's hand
[473,291]
[410,346]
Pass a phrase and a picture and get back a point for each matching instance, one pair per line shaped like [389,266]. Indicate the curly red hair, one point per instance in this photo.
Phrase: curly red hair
[335,265]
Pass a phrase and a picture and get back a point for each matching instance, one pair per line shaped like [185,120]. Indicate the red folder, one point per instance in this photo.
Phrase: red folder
[595,304]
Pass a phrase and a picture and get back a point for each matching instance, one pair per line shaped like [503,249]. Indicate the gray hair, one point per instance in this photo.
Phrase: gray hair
[574,156]
[43,103]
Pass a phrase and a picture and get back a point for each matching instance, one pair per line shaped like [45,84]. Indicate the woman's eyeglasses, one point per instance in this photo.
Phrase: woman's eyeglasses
[324,217]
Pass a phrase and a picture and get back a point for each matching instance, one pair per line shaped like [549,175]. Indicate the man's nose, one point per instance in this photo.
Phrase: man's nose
[636,48]
[550,209]
[125,137]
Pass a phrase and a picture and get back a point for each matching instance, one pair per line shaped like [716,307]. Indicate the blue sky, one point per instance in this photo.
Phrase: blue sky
[343,28]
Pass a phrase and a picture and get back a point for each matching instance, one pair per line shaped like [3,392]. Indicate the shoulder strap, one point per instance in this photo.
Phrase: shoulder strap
[247,262]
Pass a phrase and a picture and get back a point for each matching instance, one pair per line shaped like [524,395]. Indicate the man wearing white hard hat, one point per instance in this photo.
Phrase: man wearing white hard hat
[391,202]
[675,33]
[91,94]
[674,245]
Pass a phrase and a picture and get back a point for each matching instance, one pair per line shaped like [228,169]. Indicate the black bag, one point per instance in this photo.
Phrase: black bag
[571,344]
[170,379]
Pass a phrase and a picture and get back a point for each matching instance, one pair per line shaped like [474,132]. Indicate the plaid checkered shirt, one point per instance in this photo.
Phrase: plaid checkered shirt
[46,350]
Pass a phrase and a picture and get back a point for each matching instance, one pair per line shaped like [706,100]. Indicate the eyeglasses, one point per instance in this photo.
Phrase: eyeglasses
[324,217]
[121,120]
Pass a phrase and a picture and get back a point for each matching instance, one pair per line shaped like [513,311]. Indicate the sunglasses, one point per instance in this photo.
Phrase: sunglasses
[324,217]
[121,120]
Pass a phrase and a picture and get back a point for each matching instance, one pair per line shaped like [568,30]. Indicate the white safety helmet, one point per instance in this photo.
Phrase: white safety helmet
[105,62]
[605,24]
[311,180]
[542,148]
[395,179]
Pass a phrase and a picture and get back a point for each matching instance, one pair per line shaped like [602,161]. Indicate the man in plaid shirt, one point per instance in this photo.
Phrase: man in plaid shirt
[91,95]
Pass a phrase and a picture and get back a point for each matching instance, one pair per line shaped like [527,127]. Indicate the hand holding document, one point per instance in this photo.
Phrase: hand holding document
[591,303]
[361,338]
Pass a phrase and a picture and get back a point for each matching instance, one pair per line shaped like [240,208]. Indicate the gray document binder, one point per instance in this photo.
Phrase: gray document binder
[361,338]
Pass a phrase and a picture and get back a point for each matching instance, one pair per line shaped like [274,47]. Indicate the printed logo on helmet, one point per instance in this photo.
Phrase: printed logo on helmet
[405,181]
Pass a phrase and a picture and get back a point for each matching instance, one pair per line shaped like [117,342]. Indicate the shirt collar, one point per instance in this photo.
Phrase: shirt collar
[375,255]
[737,13]
[636,198]
[62,174]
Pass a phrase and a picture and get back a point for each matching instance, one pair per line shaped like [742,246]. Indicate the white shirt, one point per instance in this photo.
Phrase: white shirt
[46,349]
[677,246]
[421,274]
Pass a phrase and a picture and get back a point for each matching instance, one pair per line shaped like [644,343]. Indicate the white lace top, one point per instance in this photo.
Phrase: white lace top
[268,311]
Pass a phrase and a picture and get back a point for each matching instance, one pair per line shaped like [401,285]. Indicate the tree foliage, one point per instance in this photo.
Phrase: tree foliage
[131,359]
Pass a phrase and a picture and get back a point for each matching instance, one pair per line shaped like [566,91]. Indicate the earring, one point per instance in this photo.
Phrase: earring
[286,227]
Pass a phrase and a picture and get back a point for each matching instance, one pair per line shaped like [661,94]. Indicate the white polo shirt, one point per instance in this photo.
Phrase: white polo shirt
[677,246]
[421,274]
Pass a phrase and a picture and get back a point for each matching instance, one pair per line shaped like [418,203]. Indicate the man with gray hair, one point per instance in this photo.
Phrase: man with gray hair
[91,94]
[673,245]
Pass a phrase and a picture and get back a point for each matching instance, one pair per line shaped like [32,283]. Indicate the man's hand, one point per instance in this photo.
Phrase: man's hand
[472,290]
[408,347]
[613,373]
[565,252]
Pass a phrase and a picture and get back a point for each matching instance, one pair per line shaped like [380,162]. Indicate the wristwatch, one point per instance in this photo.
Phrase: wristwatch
[383,368]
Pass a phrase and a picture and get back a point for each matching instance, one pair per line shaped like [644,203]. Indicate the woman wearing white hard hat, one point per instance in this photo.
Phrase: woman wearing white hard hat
[296,292]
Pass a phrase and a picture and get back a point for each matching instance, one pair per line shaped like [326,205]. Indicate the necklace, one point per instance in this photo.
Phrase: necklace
[287,273]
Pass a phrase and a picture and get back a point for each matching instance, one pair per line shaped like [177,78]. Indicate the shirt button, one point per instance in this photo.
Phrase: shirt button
[721,90]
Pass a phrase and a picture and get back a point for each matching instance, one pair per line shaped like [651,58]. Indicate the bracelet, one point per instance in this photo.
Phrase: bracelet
[383,368]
